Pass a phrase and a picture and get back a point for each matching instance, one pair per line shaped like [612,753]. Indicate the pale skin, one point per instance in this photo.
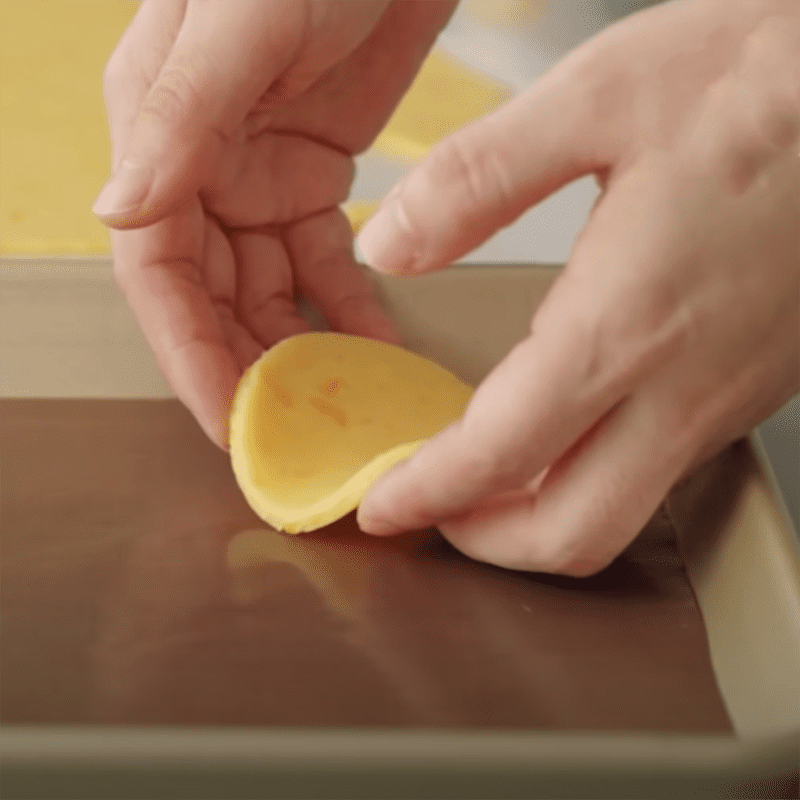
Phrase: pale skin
[673,330]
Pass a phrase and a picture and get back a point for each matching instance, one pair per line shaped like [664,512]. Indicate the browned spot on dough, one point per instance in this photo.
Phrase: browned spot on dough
[324,407]
[283,395]
[332,387]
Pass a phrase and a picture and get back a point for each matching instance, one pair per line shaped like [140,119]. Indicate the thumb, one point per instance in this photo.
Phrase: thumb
[223,58]
[485,175]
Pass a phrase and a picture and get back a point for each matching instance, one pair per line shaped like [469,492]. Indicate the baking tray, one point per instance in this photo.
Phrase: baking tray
[723,537]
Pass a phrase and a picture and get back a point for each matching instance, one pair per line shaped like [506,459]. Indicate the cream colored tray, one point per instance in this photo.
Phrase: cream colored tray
[67,333]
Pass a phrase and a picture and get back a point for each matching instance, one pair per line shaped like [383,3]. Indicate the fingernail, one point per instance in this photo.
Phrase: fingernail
[125,192]
[387,241]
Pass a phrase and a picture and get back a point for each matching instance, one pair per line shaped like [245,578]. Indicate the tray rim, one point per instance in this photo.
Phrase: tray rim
[89,763]
[757,742]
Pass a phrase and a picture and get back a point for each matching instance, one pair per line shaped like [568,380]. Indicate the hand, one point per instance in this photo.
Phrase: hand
[674,327]
[233,128]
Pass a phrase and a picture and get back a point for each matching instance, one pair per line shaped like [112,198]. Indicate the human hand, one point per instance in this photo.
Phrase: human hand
[233,127]
[672,330]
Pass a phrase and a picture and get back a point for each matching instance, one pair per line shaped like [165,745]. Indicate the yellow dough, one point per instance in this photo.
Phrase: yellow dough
[54,150]
[320,416]
[359,213]
[445,95]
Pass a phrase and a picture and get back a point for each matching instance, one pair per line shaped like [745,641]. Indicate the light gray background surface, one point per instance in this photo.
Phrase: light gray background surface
[517,56]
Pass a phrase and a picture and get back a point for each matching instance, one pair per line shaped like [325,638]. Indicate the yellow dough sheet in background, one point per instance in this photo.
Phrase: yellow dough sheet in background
[445,95]
[54,148]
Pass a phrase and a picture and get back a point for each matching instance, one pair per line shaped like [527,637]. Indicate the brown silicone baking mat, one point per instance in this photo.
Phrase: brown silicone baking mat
[124,602]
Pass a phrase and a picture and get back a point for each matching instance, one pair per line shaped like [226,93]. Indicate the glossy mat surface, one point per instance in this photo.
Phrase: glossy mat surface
[134,591]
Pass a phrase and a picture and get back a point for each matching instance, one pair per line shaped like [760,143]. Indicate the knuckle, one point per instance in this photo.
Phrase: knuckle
[650,325]
[578,554]
[768,127]
[484,463]
[580,544]
[778,125]
[477,468]
[172,95]
[410,221]
[476,169]
[760,102]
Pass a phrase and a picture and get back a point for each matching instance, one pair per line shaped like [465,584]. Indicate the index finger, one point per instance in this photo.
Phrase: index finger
[604,325]
[517,422]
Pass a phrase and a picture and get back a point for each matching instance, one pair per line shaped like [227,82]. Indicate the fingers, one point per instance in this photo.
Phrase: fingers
[278,178]
[161,273]
[221,281]
[223,58]
[590,506]
[583,358]
[327,274]
[266,296]
[134,64]
[368,85]
[606,325]
[529,410]
[487,174]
